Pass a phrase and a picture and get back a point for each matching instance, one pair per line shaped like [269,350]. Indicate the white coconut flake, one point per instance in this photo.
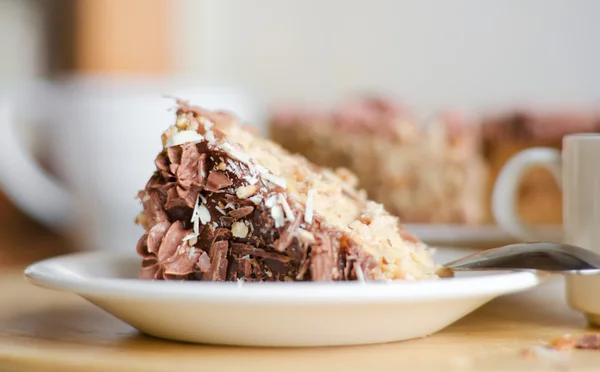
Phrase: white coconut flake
[234,153]
[196,204]
[202,198]
[256,199]
[289,214]
[230,206]
[146,197]
[239,229]
[251,226]
[215,225]
[308,212]
[277,214]
[196,225]
[184,136]
[274,179]
[195,216]
[203,214]
[270,203]
[234,167]
[360,275]
[220,210]
[191,253]
[210,136]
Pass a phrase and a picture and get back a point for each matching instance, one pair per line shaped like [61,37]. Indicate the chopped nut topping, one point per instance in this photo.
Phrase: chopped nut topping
[182,121]
[244,192]
[168,134]
[239,229]
[222,166]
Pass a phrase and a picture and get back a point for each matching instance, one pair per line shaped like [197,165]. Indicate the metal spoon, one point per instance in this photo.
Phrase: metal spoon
[545,256]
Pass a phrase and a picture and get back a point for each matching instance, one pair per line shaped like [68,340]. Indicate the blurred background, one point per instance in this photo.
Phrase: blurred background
[469,56]
[459,52]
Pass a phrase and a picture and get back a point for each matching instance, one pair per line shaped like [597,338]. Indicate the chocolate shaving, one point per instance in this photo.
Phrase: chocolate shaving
[321,260]
[221,233]
[245,266]
[288,235]
[187,173]
[258,252]
[183,263]
[218,259]
[217,181]
[241,212]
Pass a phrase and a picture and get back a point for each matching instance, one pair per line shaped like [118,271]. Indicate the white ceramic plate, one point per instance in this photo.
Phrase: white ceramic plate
[465,235]
[274,314]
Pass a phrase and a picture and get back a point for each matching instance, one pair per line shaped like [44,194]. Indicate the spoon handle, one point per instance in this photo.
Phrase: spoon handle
[546,256]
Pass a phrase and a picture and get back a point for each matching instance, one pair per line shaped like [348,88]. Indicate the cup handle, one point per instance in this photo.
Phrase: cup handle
[505,193]
[25,182]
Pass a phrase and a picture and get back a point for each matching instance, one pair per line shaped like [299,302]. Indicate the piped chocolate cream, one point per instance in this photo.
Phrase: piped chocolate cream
[225,204]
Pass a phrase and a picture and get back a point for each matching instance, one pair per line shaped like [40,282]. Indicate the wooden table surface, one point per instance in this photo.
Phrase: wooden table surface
[51,331]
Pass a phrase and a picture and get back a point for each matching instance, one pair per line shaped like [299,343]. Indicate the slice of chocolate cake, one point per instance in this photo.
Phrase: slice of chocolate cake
[225,204]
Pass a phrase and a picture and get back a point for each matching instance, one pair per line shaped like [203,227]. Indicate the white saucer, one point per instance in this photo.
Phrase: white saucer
[273,314]
[468,235]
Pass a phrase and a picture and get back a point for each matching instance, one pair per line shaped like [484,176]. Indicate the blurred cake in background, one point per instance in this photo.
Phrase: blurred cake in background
[423,172]
[506,134]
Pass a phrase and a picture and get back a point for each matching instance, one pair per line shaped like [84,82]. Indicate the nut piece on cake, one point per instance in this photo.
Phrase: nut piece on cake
[423,173]
[226,205]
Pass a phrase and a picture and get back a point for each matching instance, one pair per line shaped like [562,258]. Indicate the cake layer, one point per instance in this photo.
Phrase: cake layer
[225,204]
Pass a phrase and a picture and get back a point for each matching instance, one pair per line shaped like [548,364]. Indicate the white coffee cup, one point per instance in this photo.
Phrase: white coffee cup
[579,165]
[101,136]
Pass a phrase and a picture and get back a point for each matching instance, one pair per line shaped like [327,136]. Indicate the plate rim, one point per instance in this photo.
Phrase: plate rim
[494,284]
